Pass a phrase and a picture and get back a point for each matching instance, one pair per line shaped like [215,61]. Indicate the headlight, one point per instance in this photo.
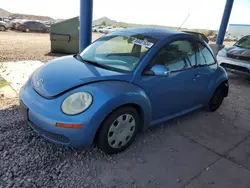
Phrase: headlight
[222,52]
[76,103]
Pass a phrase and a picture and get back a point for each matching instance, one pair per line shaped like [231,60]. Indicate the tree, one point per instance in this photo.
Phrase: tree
[103,23]
[211,33]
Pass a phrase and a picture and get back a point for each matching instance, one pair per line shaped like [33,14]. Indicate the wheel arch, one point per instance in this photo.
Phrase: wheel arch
[219,84]
[112,99]
[221,77]
[138,109]
[3,27]
[143,118]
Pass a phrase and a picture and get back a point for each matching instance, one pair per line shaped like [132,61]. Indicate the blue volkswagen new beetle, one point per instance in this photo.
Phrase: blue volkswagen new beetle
[124,82]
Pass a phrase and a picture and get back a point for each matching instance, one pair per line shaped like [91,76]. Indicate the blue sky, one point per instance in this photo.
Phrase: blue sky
[204,14]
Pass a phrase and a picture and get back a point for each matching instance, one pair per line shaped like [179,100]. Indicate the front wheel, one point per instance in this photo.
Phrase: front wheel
[118,130]
[217,98]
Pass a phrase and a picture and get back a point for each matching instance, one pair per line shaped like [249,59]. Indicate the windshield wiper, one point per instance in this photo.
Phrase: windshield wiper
[79,57]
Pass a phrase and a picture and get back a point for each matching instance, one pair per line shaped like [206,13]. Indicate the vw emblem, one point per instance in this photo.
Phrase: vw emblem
[39,83]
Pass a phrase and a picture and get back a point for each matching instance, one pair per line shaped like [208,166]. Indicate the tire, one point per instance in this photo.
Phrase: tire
[2,28]
[217,98]
[118,130]
[27,30]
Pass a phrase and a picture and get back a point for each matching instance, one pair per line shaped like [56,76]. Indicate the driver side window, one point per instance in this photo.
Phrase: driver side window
[177,56]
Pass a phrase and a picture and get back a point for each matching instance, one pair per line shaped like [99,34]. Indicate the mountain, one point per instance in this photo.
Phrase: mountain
[4,13]
[109,21]
[32,17]
[106,20]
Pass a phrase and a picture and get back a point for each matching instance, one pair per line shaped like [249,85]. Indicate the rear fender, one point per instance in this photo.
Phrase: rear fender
[222,77]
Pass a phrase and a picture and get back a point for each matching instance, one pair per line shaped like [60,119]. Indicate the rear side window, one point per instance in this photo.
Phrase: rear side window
[206,57]
[28,24]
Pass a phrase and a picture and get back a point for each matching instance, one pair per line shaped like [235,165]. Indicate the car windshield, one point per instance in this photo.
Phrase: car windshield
[244,42]
[118,52]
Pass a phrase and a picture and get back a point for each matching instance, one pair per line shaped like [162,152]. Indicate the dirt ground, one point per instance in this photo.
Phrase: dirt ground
[17,46]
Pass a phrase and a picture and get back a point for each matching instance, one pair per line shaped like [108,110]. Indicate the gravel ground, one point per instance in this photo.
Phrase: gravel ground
[17,46]
[26,160]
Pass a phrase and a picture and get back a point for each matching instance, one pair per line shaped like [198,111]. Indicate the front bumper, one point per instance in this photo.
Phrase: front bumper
[43,114]
[234,65]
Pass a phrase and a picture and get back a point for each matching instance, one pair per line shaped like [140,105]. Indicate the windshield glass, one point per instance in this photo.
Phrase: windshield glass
[244,42]
[118,52]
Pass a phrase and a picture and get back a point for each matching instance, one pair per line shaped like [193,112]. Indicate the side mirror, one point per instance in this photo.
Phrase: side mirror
[160,70]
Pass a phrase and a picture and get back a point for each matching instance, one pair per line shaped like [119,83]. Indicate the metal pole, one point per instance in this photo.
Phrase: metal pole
[224,21]
[86,13]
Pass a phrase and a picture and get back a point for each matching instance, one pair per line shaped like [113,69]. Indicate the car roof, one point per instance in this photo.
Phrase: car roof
[157,33]
[32,21]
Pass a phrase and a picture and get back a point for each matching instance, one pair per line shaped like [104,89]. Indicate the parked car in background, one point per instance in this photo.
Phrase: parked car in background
[115,29]
[236,58]
[3,26]
[230,38]
[212,38]
[14,24]
[234,38]
[97,28]
[48,23]
[106,29]
[123,83]
[4,19]
[35,26]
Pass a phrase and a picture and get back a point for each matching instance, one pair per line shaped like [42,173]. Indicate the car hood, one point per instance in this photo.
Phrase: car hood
[66,73]
[238,53]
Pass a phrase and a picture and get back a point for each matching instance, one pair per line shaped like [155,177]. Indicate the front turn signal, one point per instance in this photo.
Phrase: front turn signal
[72,126]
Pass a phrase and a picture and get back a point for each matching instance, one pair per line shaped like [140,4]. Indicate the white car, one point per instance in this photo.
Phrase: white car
[106,29]
[115,29]
[98,28]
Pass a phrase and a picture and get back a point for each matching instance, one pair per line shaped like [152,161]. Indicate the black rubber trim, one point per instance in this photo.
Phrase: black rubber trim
[235,67]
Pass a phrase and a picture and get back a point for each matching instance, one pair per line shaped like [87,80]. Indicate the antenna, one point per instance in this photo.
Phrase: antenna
[184,21]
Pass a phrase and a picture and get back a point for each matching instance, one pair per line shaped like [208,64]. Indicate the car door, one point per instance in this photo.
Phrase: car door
[37,26]
[207,66]
[41,27]
[31,26]
[174,93]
